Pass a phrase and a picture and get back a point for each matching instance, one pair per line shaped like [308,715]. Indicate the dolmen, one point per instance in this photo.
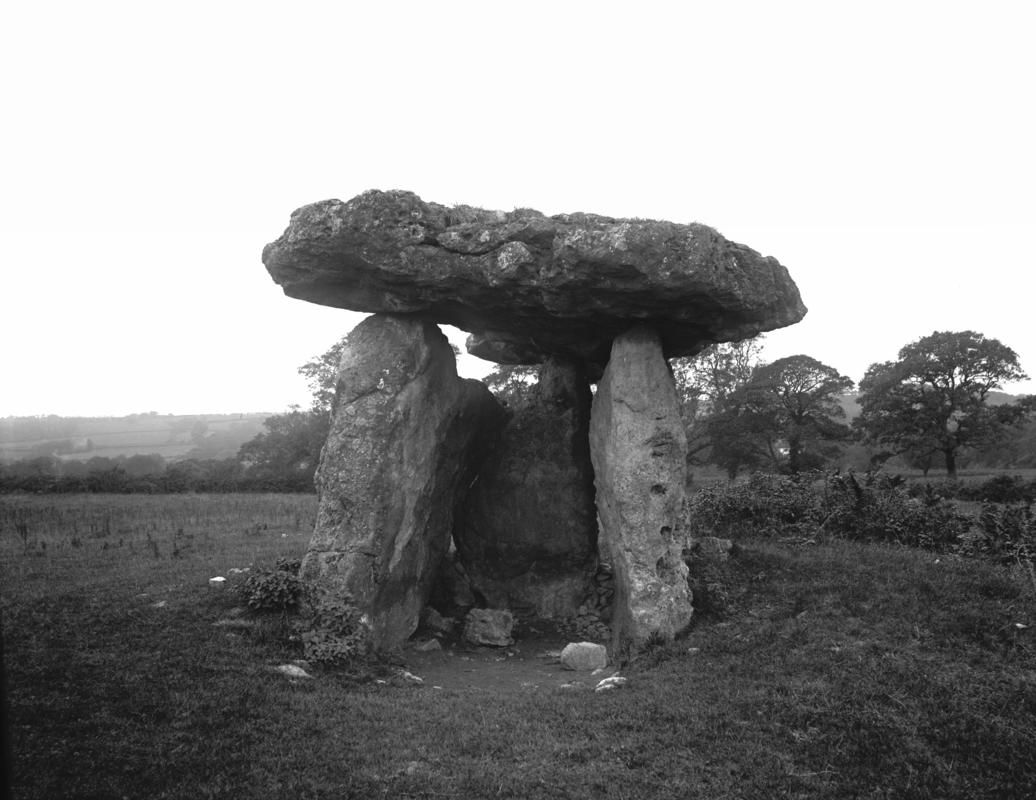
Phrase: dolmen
[422,468]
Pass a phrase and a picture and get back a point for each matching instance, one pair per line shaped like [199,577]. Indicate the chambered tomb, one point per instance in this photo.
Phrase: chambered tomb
[422,468]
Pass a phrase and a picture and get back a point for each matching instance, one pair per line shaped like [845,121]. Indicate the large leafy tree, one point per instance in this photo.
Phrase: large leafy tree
[716,372]
[705,386]
[511,383]
[741,414]
[741,432]
[933,399]
[321,374]
[798,395]
[286,454]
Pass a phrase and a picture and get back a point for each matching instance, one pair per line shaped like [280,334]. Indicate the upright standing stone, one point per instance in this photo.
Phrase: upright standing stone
[399,453]
[527,533]
[639,450]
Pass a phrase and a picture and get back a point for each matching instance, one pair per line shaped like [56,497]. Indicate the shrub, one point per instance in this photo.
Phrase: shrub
[930,491]
[338,634]
[709,582]
[879,508]
[1001,489]
[876,507]
[765,505]
[998,489]
[277,589]
[1007,533]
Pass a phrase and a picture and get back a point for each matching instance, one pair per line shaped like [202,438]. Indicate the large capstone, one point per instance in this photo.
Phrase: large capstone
[639,451]
[527,533]
[527,285]
[402,447]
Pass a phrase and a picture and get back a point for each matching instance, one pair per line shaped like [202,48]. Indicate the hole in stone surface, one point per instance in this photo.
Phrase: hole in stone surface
[666,530]
[658,489]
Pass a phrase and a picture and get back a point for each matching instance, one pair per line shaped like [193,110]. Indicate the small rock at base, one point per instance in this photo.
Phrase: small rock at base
[218,582]
[584,656]
[436,622]
[429,646]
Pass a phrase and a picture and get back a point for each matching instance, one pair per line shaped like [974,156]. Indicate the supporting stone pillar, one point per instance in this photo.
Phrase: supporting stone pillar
[404,431]
[639,450]
[527,534]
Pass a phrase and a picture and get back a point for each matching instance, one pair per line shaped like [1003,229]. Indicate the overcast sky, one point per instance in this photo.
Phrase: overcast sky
[883,152]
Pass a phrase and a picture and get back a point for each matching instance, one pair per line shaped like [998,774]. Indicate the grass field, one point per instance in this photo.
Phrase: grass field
[833,671]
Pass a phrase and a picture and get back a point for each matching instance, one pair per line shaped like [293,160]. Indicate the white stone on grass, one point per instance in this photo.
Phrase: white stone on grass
[292,671]
[613,682]
[586,656]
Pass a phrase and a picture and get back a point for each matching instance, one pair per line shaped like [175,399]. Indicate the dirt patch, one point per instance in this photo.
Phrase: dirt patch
[530,664]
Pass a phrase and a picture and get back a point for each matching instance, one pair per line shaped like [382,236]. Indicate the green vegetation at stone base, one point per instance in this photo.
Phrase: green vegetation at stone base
[836,670]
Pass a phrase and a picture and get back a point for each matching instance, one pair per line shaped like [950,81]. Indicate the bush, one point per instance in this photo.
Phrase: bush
[709,581]
[1001,489]
[765,505]
[1006,533]
[998,489]
[879,508]
[277,589]
[876,507]
[930,491]
[337,635]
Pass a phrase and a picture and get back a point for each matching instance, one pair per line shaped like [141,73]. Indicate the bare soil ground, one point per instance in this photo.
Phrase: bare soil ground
[530,664]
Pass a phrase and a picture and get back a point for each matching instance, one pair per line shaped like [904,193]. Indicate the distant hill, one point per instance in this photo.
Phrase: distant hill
[171,436]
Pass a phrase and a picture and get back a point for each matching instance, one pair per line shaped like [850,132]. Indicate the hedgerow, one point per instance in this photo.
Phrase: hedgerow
[873,507]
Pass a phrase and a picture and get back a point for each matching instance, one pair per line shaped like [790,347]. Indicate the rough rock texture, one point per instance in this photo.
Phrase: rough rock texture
[399,452]
[527,285]
[639,449]
[527,532]
[451,590]
[489,626]
[584,656]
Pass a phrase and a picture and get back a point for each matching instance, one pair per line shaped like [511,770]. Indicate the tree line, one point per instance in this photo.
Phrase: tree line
[143,474]
[928,407]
